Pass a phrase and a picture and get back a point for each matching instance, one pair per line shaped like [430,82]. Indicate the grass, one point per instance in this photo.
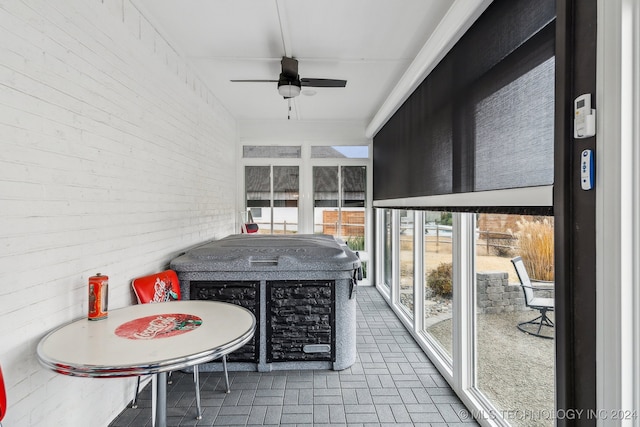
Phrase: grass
[535,242]
[355,243]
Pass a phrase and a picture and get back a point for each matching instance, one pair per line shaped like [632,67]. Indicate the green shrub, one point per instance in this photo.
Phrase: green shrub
[446,218]
[440,280]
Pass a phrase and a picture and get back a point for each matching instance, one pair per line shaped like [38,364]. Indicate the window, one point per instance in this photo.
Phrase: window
[340,151]
[406,263]
[271,152]
[438,279]
[515,369]
[276,188]
[258,186]
[339,198]
[385,219]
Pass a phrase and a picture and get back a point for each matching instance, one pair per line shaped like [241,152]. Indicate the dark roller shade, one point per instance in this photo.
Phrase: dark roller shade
[484,117]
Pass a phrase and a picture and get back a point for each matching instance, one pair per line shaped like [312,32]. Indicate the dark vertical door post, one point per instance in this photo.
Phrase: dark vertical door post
[574,211]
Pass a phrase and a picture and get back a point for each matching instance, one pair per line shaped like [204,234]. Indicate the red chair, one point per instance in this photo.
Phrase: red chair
[161,287]
[3,397]
[249,228]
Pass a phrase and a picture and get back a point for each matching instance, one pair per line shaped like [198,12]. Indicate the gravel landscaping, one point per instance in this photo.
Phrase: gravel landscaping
[515,370]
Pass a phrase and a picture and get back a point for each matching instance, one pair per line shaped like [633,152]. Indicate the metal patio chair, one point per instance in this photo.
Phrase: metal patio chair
[543,305]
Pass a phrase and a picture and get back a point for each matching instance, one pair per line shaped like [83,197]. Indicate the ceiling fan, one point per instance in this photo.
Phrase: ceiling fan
[290,83]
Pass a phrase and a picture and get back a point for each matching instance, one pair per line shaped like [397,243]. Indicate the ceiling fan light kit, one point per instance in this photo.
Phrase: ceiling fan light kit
[288,89]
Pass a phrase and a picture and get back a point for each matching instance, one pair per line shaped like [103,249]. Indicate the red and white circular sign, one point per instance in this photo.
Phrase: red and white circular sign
[158,326]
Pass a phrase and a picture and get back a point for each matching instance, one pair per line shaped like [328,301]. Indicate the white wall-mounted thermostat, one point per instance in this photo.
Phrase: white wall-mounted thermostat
[586,170]
[584,117]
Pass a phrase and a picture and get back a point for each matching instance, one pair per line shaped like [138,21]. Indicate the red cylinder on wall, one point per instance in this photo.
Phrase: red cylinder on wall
[98,296]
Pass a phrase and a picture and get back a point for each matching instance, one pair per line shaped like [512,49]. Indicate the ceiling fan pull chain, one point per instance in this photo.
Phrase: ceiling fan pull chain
[289,112]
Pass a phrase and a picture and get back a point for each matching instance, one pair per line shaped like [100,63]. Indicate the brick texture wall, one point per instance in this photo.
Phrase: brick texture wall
[114,157]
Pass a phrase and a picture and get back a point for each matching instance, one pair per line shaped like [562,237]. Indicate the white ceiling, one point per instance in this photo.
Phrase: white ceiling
[369,43]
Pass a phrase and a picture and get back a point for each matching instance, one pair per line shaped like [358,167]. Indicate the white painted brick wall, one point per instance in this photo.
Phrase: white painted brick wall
[113,158]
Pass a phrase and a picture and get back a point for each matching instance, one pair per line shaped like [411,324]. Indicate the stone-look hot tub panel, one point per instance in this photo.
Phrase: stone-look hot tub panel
[244,294]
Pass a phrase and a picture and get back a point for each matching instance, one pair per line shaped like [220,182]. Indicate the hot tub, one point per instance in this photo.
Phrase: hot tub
[301,288]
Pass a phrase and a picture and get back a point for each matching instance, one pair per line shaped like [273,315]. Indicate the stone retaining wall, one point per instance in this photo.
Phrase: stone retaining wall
[496,295]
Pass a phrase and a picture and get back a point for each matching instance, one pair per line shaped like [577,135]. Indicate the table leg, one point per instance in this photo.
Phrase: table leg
[196,381]
[160,387]
[226,374]
[154,398]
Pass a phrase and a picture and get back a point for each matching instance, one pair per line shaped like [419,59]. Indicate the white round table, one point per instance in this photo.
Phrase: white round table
[147,339]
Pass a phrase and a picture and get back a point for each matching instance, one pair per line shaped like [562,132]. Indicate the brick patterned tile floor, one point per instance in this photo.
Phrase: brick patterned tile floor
[392,383]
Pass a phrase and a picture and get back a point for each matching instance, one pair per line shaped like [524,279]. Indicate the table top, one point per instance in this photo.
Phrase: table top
[147,338]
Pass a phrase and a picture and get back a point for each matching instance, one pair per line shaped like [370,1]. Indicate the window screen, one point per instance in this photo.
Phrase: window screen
[354,185]
[271,152]
[258,186]
[325,186]
[339,151]
[285,186]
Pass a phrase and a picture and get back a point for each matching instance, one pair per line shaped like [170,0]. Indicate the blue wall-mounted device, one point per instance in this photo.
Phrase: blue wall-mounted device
[586,170]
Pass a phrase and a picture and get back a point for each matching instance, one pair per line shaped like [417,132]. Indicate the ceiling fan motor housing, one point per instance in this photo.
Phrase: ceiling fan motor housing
[289,68]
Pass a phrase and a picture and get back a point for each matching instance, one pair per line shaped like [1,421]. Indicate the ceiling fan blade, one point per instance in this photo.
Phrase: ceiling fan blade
[254,81]
[289,67]
[323,82]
